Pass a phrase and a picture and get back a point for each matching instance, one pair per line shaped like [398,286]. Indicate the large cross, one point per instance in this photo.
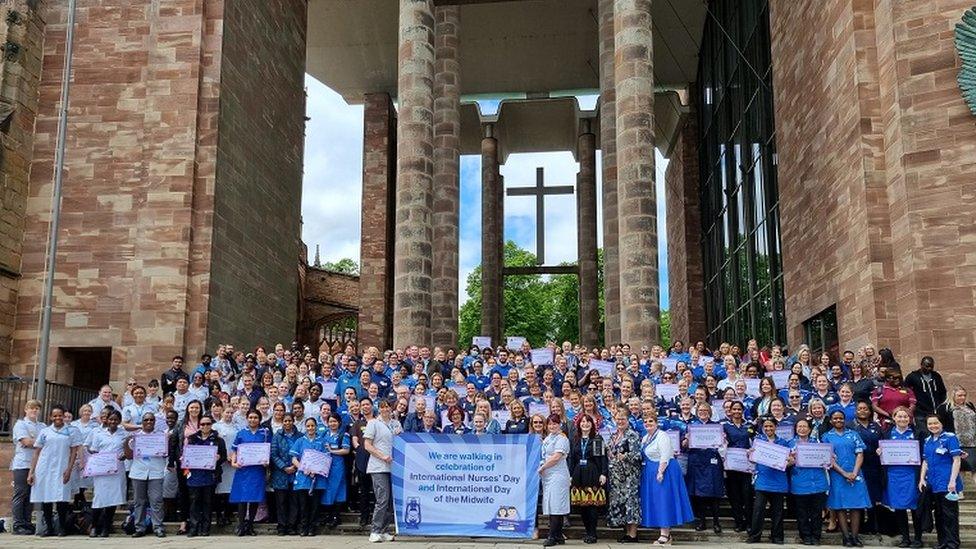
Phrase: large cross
[539,192]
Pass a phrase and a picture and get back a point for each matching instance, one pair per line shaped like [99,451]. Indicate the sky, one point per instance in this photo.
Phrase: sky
[332,192]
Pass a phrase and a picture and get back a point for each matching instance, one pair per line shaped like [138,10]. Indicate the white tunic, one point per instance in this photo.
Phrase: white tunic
[56,447]
[84,430]
[227,431]
[109,489]
[555,479]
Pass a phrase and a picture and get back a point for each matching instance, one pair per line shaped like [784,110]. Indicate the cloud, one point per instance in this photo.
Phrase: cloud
[332,193]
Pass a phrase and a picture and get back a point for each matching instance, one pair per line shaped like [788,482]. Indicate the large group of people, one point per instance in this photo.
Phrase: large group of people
[616,426]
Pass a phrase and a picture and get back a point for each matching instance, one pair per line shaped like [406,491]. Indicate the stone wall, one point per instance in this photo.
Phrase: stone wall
[685,274]
[257,208]
[379,186]
[328,295]
[20,73]
[876,175]
[182,182]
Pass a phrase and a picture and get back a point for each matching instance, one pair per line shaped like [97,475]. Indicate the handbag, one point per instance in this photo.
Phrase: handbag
[588,496]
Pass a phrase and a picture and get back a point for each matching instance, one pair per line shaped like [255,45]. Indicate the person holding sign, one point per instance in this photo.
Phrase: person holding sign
[202,477]
[309,484]
[248,488]
[771,486]
[283,476]
[738,484]
[706,484]
[588,469]
[664,497]
[901,489]
[109,489]
[555,480]
[337,443]
[809,486]
[848,491]
[49,474]
[940,477]
[146,474]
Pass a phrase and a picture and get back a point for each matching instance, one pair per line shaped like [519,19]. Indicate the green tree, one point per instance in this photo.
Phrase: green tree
[343,266]
[666,329]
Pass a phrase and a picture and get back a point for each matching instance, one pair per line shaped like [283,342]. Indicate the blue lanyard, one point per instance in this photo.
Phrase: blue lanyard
[584,445]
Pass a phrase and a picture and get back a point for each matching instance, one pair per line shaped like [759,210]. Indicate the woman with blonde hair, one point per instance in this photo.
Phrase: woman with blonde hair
[958,415]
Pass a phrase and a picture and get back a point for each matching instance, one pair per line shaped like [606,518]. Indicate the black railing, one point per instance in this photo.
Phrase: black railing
[15,392]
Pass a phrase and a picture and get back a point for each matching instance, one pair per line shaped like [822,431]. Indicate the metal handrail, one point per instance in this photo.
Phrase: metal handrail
[15,392]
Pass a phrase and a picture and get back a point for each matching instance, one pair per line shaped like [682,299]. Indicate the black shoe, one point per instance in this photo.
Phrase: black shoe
[753,539]
[589,540]
[917,543]
[847,542]
[856,541]
[716,527]
[191,533]
[160,533]
[776,541]
[139,534]
[241,530]
[48,533]
[626,539]
[700,525]
[92,534]
[739,529]
[550,542]
[806,541]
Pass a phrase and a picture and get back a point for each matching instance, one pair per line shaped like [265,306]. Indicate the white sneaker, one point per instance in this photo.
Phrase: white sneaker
[376,538]
[387,537]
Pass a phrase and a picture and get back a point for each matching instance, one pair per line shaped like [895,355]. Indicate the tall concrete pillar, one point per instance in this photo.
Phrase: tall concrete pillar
[608,146]
[376,247]
[492,238]
[636,204]
[589,316]
[447,136]
[415,144]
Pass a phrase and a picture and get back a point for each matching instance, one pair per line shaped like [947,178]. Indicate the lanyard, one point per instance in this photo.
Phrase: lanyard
[583,446]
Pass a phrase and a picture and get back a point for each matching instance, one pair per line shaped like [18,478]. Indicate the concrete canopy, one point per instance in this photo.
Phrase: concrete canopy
[508,48]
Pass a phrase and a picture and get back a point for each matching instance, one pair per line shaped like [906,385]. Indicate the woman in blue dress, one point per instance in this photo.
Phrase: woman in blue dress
[664,497]
[248,488]
[771,486]
[901,488]
[941,461]
[308,486]
[848,492]
[283,476]
[809,486]
[705,476]
[337,443]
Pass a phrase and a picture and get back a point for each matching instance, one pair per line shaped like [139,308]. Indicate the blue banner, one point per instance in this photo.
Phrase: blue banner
[466,485]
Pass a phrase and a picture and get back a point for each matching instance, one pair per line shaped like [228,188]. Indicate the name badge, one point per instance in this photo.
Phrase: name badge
[582,462]
[940,451]
[713,461]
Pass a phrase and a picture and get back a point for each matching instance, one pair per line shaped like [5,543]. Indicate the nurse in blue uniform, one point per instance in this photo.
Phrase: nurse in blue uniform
[248,488]
[848,492]
[940,476]
[309,487]
[808,486]
[705,477]
[337,443]
[664,497]
[901,488]
[870,432]
[738,485]
[771,486]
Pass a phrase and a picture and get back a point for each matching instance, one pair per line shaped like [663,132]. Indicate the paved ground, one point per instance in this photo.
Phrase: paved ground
[344,542]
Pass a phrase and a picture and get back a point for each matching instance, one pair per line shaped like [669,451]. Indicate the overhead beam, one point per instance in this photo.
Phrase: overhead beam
[542,270]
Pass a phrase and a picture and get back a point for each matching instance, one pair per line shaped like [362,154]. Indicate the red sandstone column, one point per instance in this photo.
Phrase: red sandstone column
[447,136]
[492,238]
[634,82]
[376,247]
[608,146]
[589,317]
[415,136]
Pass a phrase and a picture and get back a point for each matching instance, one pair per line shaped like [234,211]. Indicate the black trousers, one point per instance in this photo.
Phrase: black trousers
[47,509]
[286,500]
[182,498]
[946,521]
[308,505]
[738,486]
[901,518]
[366,501]
[556,527]
[101,518]
[705,507]
[201,505]
[589,514]
[775,500]
[809,519]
